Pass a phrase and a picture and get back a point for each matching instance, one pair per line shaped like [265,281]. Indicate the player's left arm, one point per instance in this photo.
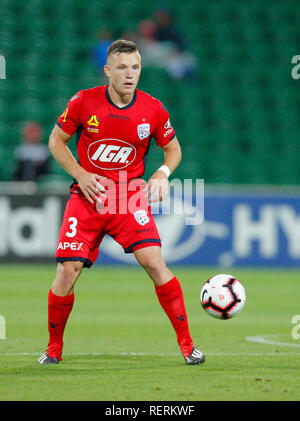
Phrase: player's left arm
[158,184]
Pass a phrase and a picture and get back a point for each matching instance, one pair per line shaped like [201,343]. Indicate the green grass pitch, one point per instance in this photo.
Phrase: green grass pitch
[120,346]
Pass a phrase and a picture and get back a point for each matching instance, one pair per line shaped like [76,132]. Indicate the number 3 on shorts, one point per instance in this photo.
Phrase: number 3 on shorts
[73,224]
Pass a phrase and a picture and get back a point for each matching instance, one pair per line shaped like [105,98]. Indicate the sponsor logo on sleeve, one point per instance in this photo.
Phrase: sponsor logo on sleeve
[64,115]
[168,127]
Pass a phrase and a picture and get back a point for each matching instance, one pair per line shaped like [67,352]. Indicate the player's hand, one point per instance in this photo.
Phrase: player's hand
[90,185]
[157,188]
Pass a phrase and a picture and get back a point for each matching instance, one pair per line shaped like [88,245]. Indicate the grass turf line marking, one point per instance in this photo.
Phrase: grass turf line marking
[263,339]
[140,354]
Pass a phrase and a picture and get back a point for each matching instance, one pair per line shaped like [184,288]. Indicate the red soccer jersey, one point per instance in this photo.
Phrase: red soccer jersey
[111,139]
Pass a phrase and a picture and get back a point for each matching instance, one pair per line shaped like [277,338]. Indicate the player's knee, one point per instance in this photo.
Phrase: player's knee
[68,272]
[152,264]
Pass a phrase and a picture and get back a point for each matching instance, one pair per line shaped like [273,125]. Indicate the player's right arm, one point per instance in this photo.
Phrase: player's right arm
[89,183]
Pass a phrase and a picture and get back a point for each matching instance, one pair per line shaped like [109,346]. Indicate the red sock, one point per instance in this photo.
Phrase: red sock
[59,309]
[171,299]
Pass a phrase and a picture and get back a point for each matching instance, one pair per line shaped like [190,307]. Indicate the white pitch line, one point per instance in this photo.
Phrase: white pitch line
[139,354]
[260,339]
[263,339]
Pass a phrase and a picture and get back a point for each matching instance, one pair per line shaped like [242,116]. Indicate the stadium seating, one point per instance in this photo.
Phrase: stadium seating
[237,118]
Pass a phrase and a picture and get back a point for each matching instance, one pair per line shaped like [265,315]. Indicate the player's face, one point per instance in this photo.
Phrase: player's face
[124,71]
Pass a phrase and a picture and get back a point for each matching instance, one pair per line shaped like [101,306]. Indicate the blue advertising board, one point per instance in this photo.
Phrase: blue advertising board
[240,228]
[218,226]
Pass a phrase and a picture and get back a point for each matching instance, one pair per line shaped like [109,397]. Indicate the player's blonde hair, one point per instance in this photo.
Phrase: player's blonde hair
[121,46]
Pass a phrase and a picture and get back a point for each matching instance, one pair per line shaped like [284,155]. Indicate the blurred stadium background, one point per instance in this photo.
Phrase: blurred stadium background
[238,123]
[237,119]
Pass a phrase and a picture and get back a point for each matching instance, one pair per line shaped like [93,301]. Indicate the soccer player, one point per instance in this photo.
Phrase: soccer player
[113,126]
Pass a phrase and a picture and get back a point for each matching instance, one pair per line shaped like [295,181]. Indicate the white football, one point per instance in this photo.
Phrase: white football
[223,296]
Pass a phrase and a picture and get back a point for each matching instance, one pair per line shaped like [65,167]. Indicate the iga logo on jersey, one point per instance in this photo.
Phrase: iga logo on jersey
[111,154]
[143,130]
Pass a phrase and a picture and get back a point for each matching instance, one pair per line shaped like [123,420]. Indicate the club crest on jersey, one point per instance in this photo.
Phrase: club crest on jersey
[93,123]
[143,130]
[141,217]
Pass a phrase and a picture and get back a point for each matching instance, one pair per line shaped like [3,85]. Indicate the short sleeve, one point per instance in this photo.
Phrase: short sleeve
[164,131]
[69,120]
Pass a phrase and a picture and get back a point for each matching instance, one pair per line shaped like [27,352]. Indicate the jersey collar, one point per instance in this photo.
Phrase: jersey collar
[114,105]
